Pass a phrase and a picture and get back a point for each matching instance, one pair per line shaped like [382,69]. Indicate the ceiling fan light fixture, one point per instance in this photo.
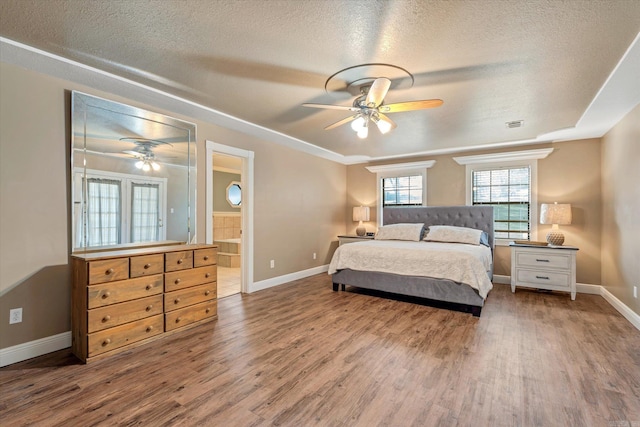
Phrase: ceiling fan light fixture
[358,123]
[383,127]
[155,166]
[139,164]
[146,167]
[363,132]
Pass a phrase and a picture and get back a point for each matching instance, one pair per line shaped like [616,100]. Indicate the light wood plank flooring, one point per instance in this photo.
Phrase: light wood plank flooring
[303,355]
[228,281]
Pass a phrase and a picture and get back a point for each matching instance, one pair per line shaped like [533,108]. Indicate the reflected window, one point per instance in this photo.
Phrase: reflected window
[234,194]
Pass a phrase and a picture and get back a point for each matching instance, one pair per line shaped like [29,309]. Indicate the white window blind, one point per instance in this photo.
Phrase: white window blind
[508,190]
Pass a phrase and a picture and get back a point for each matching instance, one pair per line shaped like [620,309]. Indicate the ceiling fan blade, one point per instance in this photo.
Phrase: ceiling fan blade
[377,92]
[133,153]
[385,124]
[341,122]
[331,107]
[410,106]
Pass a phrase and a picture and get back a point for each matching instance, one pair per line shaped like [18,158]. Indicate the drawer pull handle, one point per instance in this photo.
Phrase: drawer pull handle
[147,266]
[106,342]
[106,318]
[178,319]
[106,295]
[542,277]
[180,261]
[109,271]
[177,281]
[206,257]
[207,275]
[542,260]
[149,307]
[149,328]
[149,287]
[207,310]
[176,301]
[207,292]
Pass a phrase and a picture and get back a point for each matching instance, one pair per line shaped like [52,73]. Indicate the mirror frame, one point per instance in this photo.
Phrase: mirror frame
[80,103]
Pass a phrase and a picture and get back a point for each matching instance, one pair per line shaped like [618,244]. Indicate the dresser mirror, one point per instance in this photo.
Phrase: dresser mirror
[133,176]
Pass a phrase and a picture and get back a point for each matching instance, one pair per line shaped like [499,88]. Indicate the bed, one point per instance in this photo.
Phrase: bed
[431,287]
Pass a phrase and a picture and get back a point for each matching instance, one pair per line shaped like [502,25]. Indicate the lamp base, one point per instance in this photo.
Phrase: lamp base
[361,230]
[555,238]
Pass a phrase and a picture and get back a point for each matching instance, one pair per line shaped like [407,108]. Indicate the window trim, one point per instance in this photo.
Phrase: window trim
[507,160]
[396,170]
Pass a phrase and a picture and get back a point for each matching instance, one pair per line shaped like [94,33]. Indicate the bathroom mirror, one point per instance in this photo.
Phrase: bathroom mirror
[133,176]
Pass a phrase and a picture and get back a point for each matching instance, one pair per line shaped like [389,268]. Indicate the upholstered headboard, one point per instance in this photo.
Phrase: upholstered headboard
[478,217]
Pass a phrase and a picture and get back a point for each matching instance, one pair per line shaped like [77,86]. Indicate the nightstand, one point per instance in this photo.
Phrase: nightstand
[343,240]
[544,267]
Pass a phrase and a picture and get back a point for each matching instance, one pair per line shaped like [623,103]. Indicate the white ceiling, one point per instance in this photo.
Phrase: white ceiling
[548,62]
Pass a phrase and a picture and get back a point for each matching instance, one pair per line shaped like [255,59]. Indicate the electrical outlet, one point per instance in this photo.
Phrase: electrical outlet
[314,255]
[15,315]
[635,292]
[273,264]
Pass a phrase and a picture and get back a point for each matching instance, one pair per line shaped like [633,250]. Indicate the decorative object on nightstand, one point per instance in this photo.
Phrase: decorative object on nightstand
[544,267]
[555,214]
[361,213]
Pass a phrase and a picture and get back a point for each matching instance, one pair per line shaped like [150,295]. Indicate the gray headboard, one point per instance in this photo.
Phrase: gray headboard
[478,217]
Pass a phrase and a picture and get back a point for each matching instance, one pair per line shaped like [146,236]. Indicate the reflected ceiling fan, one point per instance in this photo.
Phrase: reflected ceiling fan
[143,151]
[370,107]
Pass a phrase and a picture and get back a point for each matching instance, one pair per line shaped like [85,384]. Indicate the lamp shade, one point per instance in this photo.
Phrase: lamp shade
[557,213]
[361,213]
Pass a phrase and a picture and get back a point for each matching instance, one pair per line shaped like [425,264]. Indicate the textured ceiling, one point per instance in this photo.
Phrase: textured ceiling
[491,61]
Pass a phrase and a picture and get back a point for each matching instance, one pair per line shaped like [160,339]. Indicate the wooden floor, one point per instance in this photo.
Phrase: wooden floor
[303,355]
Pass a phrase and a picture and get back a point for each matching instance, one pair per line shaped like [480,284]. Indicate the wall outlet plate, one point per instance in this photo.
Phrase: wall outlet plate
[15,315]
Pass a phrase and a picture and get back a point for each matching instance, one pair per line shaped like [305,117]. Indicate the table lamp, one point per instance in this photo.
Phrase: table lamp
[361,213]
[555,214]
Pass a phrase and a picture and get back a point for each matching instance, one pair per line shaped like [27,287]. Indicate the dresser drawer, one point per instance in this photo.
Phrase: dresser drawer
[147,265]
[124,290]
[189,296]
[543,260]
[203,257]
[185,316]
[112,338]
[187,278]
[545,278]
[108,270]
[174,261]
[124,312]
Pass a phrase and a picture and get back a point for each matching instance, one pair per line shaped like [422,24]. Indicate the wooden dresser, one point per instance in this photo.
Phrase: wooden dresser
[129,297]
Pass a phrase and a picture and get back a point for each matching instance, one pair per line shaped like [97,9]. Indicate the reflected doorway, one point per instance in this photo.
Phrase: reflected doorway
[227,221]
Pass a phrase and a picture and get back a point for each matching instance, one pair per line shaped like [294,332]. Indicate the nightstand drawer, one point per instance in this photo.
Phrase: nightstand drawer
[546,278]
[543,260]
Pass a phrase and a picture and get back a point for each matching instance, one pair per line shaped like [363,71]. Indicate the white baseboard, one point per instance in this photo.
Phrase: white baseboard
[28,350]
[622,308]
[504,280]
[280,280]
[583,288]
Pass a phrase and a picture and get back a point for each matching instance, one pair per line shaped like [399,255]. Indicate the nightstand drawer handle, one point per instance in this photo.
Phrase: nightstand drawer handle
[542,260]
[542,277]
[147,266]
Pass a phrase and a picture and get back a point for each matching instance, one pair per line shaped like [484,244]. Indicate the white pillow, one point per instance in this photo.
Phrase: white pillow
[411,232]
[451,234]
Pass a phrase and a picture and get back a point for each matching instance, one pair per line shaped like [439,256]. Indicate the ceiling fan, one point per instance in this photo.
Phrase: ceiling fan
[143,151]
[370,107]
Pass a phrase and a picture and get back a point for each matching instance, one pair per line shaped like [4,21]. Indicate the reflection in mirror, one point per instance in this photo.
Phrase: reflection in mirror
[234,194]
[133,175]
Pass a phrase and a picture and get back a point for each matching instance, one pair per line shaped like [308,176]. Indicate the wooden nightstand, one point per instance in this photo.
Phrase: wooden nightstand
[544,267]
[342,240]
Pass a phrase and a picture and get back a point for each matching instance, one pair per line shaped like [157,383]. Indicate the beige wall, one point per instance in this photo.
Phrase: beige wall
[621,210]
[298,207]
[570,174]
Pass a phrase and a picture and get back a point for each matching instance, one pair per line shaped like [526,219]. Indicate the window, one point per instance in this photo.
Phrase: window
[402,190]
[508,182]
[508,190]
[401,184]
[120,208]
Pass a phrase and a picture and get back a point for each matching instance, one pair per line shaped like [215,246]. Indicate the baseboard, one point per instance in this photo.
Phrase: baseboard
[28,350]
[280,280]
[583,288]
[503,280]
[622,308]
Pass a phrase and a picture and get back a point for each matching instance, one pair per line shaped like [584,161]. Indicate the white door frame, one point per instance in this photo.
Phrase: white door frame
[246,247]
